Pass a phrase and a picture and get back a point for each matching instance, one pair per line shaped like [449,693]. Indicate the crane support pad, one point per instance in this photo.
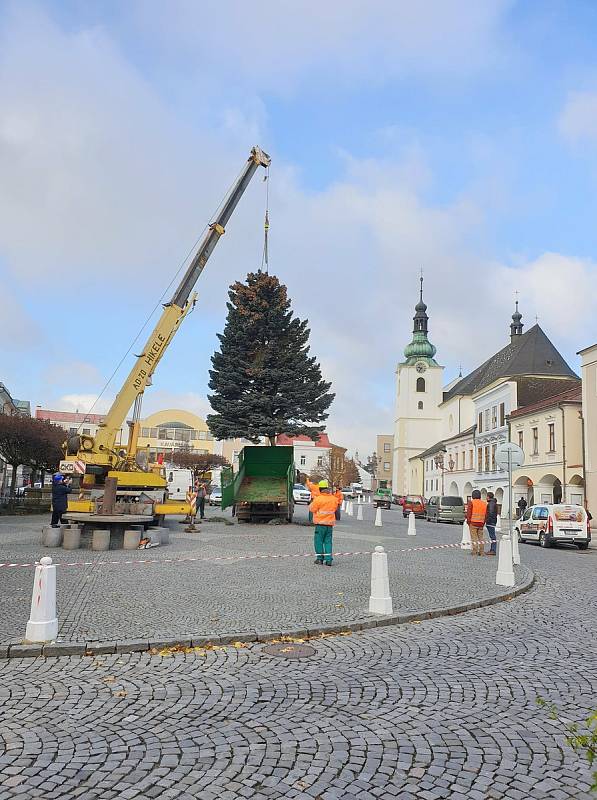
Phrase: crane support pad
[175,508]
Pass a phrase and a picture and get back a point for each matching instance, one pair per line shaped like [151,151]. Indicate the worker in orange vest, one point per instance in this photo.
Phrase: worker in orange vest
[476,512]
[323,507]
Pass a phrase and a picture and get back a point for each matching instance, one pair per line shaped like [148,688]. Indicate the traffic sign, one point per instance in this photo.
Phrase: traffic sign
[509,455]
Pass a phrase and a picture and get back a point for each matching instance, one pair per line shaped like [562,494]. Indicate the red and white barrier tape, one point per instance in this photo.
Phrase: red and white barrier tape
[223,558]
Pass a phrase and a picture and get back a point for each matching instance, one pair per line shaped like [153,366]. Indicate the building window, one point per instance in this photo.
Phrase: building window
[320,461]
[521,439]
[145,433]
[303,461]
[386,466]
[487,459]
[552,437]
[486,419]
[426,485]
[480,423]
[72,431]
[502,414]
[471,459]
[493,463]
[86,431]
[479,459]
[420,384]
[535,441]
[420,405]
[386,447]
[494,417]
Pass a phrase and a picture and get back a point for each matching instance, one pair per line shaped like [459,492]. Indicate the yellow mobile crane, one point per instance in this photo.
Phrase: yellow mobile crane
[99,454]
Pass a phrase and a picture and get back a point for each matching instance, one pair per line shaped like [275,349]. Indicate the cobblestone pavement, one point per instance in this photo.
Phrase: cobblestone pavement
[231,590]
[440,709]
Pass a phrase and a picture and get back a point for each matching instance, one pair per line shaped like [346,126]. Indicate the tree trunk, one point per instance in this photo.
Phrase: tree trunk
[13,479]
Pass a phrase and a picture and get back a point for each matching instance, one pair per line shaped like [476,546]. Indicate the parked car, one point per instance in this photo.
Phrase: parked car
[301,494]
[446,508]
[414,503]
[348,492]
[215,498]
[554,524]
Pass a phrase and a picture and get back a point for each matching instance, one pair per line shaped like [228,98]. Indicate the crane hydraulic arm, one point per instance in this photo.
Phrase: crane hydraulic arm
[100,450]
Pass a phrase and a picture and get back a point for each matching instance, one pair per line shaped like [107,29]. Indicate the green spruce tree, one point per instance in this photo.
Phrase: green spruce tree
[264,381]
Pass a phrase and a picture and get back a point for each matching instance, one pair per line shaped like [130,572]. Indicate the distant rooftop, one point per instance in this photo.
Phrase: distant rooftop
[530,353]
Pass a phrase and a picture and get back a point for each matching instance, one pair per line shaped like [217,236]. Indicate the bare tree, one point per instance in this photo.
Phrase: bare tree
[28,442]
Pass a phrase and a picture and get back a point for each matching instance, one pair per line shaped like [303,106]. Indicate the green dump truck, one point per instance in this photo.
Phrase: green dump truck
[261,489]
[383,496]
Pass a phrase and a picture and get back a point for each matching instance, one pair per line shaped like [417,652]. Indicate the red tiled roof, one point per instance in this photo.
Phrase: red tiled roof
[323,440]
[570,396]
[68,416]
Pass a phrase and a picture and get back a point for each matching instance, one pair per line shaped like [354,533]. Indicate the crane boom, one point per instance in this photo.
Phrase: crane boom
[100,449]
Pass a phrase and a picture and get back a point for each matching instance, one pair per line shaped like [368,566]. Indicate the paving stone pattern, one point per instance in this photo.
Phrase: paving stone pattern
[441,709]
[113,602]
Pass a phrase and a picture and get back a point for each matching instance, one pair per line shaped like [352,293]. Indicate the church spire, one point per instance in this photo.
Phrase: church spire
[516,326]
[420,349]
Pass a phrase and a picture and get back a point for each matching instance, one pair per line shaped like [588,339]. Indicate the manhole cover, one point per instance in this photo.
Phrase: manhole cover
[289,650]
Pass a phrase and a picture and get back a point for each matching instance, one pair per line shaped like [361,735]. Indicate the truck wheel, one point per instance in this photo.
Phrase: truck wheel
[583,545]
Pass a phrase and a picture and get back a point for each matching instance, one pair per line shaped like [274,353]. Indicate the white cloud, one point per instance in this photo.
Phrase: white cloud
[578,118]
[82,403]
[270,45]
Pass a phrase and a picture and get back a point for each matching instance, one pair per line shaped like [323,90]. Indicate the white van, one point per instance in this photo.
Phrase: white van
[552,524]
[179,481]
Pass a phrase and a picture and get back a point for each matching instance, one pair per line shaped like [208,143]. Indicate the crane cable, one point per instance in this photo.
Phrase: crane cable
[265,256]
[166,290]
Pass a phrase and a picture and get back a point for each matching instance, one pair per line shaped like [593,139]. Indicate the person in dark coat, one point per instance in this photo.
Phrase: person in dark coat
[522,504]
[60,491]
[491,516]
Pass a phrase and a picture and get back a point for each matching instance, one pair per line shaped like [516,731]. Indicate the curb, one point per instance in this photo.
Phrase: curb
[55,649]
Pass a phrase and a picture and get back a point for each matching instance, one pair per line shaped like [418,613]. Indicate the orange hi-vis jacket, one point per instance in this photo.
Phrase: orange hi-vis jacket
[475,513]
[324,509]
[340,496]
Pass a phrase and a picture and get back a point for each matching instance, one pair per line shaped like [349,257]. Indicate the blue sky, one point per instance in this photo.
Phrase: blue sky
[456,136]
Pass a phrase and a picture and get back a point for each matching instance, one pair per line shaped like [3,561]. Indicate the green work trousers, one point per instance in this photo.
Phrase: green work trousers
[322,542]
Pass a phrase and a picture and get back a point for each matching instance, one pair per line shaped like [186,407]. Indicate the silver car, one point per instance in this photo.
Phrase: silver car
[446,509]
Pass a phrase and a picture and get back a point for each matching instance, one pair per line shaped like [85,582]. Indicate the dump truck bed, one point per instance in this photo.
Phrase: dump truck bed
[263,489]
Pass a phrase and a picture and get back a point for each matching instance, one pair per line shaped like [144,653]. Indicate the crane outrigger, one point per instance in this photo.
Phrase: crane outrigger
[100,455]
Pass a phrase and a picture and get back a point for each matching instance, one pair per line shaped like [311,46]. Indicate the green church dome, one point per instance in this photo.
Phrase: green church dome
[420,349]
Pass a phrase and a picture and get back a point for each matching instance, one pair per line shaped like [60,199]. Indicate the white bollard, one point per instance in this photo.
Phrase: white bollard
[412,529]
[505,572]
[515,548]
[43,622]
[498,525]
[378,522]
[380,601]
[350,509]
[344,505]
[360,513]
[465,543]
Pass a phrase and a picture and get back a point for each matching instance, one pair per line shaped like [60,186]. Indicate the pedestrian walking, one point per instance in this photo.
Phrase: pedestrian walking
[323,507]
[476,511]
[491,516]
[201,490]
[522,504]
[60,491]
[192,501]
[340,497]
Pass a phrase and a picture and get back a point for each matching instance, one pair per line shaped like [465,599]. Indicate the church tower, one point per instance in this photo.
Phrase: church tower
[419,392]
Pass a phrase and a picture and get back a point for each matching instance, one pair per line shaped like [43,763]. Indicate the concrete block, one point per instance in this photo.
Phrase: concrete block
[159,644]
[132,646]
[100,648]
[24,650]
[202,641]
[71,538]
[64,649]
[100,540]
[51,537]
[132,539]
